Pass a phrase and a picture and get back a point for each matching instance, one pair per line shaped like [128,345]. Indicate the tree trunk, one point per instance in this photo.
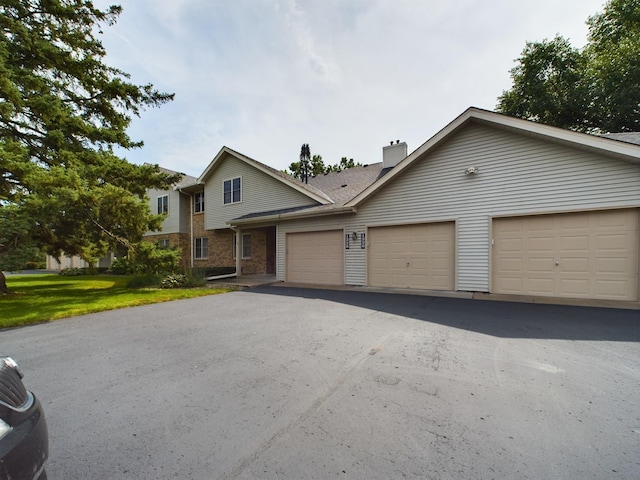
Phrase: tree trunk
[3,283]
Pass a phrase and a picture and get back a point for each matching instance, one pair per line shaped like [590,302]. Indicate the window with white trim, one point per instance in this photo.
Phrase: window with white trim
[201,247]
[245,247]
[198,202]
[163,204]
[232,190]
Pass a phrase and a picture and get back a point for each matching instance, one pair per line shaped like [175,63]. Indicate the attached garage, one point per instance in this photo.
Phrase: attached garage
[315,257]
[583,255]
[412,256]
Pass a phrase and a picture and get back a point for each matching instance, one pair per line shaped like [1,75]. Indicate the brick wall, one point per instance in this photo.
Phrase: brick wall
[180,240]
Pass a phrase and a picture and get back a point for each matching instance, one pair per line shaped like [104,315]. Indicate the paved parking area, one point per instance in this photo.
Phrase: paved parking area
[276,382]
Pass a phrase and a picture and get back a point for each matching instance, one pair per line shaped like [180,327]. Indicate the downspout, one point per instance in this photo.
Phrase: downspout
[238,250]
[191,213]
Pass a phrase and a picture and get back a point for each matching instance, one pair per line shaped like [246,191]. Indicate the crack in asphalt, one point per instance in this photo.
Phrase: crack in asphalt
[317,403]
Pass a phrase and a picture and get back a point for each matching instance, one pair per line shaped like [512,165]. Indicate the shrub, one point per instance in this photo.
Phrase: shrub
[195,277]
[144,281]
[176,280]
[72,272]
[120,266]
[31,266]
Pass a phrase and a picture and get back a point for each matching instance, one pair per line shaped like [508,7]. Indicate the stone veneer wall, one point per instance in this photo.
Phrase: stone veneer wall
[220,247]
[257,264]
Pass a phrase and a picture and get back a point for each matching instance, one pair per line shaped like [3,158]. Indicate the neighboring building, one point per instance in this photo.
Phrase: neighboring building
[177,226]
[490,203]
[63,262]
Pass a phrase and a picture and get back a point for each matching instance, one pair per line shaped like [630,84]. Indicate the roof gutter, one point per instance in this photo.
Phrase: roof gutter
[293,216]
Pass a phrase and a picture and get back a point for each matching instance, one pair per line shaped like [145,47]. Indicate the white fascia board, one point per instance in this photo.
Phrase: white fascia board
[322,199]
[291,216]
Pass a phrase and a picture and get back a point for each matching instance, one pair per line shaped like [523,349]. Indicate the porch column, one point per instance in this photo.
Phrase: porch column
[238,252]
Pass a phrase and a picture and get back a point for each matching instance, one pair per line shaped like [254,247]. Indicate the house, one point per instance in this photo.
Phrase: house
[490,203]
[177,225]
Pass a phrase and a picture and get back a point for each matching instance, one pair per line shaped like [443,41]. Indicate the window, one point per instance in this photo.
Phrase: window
[163,204]
[246,245]
[232,191]
[163,243]
[198,202]
[202,247]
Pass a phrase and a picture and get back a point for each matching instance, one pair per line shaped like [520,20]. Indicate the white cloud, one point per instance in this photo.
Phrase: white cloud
[345,76]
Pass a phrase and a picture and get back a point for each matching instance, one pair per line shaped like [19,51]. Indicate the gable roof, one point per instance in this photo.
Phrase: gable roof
[288,180]
[339,186]
[185,181]
[599,144]
[629,137]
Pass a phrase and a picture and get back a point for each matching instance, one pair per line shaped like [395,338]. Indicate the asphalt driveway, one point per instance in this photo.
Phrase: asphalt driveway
[276,382]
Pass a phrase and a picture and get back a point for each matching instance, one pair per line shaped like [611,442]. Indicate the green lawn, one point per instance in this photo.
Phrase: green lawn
[40,298]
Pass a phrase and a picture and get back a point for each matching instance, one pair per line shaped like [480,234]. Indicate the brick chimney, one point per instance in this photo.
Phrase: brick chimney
[392,154]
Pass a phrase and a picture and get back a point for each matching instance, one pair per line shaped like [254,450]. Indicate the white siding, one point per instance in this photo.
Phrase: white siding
[517,174]
[177,219]
[355,258]
[260,193]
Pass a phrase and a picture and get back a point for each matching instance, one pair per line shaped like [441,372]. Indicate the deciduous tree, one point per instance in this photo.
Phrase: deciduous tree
[593,89]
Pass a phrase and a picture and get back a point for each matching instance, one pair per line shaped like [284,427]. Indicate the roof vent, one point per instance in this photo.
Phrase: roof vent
[392,154]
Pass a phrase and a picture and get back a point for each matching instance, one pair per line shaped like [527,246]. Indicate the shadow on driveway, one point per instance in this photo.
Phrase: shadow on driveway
[498,319]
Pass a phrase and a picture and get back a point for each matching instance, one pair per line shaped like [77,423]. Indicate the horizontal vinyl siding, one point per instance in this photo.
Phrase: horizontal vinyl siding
[355,258]
[177,219]
[517,175]
[260,193]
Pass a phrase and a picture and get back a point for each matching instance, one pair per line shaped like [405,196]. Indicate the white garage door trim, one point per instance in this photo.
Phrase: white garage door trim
[420,256]
[590,254]
[315,257]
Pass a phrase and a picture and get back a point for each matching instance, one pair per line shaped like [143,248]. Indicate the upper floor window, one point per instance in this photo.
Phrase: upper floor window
[198,201]
[232,191]
[163,204]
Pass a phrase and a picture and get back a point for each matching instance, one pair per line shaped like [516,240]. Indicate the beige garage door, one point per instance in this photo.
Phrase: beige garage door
[588,255]
[315,257]
[412,256]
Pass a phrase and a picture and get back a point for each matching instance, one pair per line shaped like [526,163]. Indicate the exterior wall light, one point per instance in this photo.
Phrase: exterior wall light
[471,171]
[354,236]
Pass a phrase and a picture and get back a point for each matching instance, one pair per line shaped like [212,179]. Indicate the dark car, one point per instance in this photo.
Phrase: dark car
[24,444]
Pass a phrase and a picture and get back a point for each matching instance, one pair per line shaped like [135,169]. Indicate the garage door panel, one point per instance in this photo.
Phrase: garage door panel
[590,254]
[315,257]
[614,241]
[539,286]
[540,244]
[574,287]
[539,265]
[412,256]
[611,265]
[614,289]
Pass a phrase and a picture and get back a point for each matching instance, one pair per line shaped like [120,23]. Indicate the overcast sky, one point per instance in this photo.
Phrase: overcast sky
[345,76]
